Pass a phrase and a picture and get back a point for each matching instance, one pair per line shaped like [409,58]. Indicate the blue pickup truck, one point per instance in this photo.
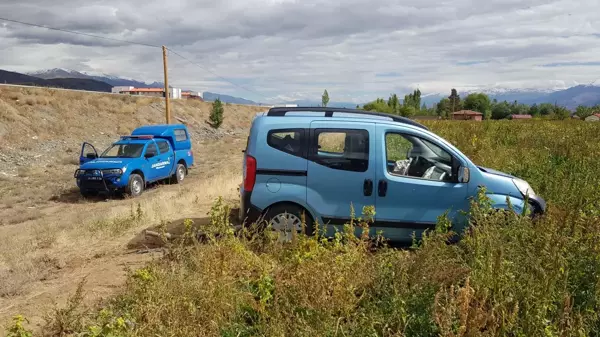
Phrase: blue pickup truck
[151,153]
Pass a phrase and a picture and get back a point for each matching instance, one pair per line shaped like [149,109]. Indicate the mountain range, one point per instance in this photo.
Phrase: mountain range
[587,95]
[9,77]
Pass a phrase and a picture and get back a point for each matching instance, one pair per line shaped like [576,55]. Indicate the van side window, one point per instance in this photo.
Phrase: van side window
[341,149]
[287,140]
[180,135]
[416,157]
[163,146]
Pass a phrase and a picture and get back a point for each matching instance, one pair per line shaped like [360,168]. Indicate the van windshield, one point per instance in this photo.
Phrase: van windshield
[123,151]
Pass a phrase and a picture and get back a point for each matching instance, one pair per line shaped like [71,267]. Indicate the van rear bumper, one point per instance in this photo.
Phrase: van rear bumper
[249,213]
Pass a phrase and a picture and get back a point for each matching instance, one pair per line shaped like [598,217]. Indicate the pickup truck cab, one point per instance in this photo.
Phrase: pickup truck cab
[319,161]
[151,153]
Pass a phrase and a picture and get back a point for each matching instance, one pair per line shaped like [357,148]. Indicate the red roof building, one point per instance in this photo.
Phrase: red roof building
[467,115]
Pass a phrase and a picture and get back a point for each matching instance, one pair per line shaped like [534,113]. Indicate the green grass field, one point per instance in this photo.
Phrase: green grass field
[511,277]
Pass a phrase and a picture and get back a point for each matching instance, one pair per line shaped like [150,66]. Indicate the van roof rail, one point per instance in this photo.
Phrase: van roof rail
[282,111]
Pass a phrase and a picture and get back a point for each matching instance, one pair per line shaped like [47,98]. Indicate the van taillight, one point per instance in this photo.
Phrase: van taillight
[250,174]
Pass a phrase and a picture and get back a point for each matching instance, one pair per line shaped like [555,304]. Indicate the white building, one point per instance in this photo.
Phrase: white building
[118,90]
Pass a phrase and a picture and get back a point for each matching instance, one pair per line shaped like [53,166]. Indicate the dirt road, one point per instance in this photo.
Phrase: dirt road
[53,238]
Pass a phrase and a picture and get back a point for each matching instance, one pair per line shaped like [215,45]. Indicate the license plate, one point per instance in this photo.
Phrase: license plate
[94,178]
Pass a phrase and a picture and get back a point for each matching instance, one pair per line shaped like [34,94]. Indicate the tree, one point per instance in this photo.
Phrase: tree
[413,100]
[478,102]
[216,114]
[378,105]
[584,111]
[443,107]
[325,98]
[394,104]
[560,112]
[454,101]
[534,110]
[500,110]
[546,109]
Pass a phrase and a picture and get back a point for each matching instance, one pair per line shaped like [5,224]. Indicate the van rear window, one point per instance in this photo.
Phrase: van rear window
[287,140]
[180,135]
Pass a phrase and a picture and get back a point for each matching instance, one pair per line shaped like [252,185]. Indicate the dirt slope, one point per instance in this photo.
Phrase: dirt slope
[53,237]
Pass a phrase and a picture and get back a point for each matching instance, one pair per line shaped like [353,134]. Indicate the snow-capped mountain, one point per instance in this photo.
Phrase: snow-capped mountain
[110,79]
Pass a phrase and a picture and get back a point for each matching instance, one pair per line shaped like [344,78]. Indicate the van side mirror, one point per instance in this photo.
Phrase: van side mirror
[464,174]
[90,155]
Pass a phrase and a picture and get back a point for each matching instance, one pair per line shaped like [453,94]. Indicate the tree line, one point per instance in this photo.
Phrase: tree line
[491,109]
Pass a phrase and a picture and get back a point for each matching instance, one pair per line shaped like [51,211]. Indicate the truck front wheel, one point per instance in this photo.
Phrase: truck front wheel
[179,175]
[135,187]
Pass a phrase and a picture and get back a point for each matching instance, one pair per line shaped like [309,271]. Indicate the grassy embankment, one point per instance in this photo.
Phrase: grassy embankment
[512,277]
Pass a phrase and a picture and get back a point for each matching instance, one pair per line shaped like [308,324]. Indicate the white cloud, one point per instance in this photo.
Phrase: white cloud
[295,49]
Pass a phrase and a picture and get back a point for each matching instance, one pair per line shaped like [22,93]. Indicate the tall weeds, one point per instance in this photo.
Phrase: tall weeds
[508,276]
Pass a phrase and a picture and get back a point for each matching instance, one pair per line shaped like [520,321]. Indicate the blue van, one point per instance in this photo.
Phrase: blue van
[318,161]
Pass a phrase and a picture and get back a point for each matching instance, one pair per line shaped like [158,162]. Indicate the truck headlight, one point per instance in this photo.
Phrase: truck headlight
[524,188]
[112,172]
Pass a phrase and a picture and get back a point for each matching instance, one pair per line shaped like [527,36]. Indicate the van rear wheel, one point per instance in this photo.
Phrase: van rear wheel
[287,218]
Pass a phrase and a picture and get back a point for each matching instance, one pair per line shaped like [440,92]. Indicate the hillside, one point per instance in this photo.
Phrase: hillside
[9,77]
[57,237]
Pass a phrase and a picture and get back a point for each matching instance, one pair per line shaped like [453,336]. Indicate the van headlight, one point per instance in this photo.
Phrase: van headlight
[524,188]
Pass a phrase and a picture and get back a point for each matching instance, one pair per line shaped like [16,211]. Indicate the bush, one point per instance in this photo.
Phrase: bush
[216,114]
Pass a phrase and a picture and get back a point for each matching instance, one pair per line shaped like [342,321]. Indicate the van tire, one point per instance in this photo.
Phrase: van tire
[293,211]
[135,186]
[179,175]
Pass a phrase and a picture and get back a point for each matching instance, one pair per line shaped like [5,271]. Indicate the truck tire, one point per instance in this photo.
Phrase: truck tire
[135,186]
[180,173]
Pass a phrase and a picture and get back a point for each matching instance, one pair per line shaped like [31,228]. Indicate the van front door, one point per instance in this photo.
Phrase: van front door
[416,183]
[341,171]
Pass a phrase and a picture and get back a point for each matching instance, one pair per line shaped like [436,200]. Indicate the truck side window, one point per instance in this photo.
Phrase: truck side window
[180,135]
[287,140]
[163,146]
[341,149]
[152,150]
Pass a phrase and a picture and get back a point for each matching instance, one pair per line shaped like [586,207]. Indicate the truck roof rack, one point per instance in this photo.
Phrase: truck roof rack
[281,112]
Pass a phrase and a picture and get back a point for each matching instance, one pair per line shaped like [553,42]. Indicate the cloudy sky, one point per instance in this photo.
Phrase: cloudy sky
[293,49]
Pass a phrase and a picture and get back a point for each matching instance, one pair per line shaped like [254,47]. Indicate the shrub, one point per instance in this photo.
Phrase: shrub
[216,114]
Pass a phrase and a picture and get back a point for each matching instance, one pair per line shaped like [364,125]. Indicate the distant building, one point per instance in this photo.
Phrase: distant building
[118,90]
[593,118]
[192,95]
[467,115]
[174,93]
[515,116]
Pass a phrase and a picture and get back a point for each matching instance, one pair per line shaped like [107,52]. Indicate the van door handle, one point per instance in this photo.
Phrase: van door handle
[368,187]
[382,188]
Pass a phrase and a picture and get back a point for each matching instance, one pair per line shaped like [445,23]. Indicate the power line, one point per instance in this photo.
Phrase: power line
[215,74]
[79,33]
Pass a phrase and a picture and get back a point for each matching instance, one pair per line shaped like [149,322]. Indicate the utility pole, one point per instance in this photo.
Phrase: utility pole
[168,109]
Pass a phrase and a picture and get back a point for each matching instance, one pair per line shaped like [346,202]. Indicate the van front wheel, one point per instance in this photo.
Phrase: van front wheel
[287,218]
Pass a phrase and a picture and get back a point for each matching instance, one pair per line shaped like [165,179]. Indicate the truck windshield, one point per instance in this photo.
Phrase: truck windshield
[123,151]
